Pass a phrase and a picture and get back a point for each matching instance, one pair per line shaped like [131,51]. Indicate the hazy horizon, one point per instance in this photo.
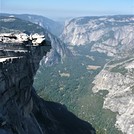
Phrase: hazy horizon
[67,9]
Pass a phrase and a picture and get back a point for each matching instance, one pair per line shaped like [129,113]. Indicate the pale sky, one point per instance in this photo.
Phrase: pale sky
[68,8]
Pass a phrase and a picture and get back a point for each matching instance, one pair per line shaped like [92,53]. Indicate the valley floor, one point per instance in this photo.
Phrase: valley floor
[70,83]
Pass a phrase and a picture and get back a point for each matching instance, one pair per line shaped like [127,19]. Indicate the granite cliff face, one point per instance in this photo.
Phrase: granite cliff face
[106,34]
[21,110]
[117,77]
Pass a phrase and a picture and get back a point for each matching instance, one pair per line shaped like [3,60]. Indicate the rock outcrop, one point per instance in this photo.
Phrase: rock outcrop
[14,25]
[21,110]
[117,78]
[106,34]
[34,39]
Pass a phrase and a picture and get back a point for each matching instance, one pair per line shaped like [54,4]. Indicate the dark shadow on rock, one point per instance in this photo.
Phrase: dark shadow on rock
[54,118]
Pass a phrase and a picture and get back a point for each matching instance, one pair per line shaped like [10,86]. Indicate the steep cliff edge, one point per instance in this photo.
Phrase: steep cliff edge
[14,25]
[21,110]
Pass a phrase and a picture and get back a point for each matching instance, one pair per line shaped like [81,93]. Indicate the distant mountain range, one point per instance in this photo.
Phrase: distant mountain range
[52,26]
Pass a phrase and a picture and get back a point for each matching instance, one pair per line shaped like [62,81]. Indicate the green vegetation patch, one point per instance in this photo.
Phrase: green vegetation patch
[119,69]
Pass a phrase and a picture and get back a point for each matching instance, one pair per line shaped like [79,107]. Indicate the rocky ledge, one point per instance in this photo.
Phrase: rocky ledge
[22,111]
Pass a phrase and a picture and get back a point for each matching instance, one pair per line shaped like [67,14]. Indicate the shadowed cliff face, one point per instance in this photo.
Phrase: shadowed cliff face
[21,110]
